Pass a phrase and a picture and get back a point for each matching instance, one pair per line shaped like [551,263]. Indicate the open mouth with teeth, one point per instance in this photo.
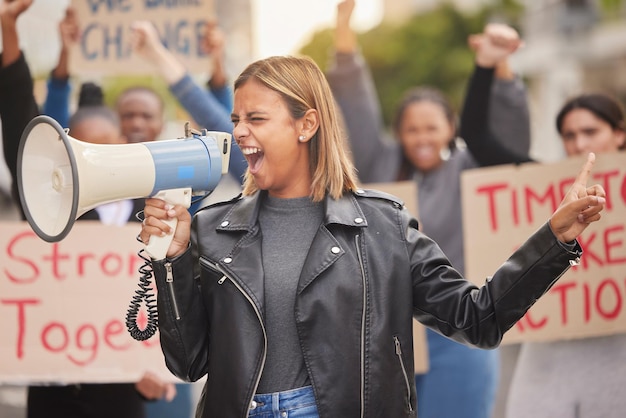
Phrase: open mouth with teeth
[254,156]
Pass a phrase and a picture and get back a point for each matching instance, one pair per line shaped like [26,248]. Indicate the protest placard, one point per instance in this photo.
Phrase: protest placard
[503,206]
[105,44]
[63,307]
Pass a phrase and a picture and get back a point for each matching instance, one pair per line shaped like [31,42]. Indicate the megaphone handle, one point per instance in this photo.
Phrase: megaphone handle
[157,246]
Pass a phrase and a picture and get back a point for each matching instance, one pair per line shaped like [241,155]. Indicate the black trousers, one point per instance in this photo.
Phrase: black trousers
[116,400]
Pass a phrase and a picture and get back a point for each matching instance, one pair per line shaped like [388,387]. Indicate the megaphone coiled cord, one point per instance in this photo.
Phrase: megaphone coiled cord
[143,294]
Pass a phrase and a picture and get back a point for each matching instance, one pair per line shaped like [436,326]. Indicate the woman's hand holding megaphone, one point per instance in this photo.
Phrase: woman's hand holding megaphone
[156,212]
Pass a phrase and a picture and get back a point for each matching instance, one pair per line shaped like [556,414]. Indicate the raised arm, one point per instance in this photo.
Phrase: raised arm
[488,136]
[10,10]
[214,43]
[509,116]
[376,160]
[57,103]
[18,105]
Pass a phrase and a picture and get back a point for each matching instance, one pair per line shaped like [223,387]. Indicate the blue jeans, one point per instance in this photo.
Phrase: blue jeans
[294,403]
[461,381]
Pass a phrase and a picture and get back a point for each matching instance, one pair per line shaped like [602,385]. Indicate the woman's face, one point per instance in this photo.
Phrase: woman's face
[583,132]
[424,132]
[268,138]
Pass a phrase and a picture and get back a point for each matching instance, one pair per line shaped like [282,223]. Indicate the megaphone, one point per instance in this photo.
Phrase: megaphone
[60,178]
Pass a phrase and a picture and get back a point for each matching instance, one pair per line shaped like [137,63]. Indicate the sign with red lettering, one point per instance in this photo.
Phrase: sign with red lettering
[105,44]
[63,307]
[503,206]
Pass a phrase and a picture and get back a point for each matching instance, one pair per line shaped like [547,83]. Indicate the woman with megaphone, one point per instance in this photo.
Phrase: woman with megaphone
[298,296]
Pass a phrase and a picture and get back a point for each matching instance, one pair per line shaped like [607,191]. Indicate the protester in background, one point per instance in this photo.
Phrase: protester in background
[426,152]
[8,209]
[142,113]
[18,105]
[303,290]
[57,104]
[57,101]
[580,378]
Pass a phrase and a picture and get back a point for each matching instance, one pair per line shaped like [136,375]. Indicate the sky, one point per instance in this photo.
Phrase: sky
[282,26]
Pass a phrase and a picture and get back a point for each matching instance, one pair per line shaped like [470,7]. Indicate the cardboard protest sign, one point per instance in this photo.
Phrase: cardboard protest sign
[63,307]
[407,192]
[105,44]
[503,206]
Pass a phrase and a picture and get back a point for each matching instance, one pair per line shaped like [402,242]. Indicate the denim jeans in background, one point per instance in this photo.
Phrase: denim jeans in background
[461,380]
[295,403]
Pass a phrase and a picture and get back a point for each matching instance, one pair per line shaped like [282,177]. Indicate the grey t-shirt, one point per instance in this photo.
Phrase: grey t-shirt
[284,253]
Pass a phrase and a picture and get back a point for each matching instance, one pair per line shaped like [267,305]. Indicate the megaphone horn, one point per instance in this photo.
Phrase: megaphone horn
[60,178]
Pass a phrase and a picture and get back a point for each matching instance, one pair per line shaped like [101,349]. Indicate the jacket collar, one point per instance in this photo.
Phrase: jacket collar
[244,213]
[344,211]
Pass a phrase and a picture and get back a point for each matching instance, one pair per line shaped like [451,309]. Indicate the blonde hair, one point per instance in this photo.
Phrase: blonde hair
[303,86]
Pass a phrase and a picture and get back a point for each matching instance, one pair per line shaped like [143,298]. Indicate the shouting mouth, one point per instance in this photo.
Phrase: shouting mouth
[254,156]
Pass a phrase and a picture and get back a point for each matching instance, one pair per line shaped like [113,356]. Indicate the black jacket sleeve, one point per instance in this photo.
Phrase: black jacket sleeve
[481,142]
[17,108]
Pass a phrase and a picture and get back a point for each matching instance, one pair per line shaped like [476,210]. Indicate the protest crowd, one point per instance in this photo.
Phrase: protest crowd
[259,320]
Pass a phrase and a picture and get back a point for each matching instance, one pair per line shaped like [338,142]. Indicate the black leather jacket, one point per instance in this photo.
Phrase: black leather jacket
[368,272]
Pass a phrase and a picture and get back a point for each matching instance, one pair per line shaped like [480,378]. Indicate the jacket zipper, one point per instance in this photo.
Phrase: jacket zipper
[357,240]
[256,311]
[396,341]
[169,279]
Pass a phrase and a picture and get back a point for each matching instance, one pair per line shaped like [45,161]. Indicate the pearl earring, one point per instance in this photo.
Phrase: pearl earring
[301,138]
